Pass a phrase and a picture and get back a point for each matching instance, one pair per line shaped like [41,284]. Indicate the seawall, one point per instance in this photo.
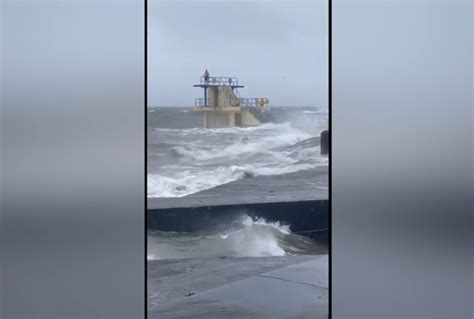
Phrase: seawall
[306,217]
[298,199]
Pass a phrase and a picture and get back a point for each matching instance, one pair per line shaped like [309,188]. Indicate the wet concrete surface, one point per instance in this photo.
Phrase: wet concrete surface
[258,287]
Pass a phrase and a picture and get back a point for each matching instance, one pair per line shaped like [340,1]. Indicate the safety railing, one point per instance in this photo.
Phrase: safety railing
[257,103]
[219,81]
[200,102]
[256,106]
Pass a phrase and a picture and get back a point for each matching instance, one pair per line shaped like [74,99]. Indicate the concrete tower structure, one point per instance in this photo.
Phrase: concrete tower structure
[222,105]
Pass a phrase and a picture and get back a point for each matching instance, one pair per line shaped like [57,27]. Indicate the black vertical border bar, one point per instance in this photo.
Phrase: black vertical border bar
[330,151]
[145,38]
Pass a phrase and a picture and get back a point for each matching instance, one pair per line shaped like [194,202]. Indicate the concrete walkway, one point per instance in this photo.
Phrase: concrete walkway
[271,287]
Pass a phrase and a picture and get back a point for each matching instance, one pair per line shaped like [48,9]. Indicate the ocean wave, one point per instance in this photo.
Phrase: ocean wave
[247,237]
[224,130]
[238,144]
[190,181]
[196,159]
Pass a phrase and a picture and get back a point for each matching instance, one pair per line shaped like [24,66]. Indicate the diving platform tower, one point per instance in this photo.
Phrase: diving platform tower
[222,105]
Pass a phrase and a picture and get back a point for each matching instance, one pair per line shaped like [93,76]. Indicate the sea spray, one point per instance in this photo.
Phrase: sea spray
[245,237]
[197,159]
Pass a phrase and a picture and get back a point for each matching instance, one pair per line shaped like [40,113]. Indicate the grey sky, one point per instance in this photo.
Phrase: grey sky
[277,49]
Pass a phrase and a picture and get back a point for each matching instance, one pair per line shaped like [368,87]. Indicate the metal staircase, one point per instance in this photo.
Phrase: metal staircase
[254,105]
[262,116]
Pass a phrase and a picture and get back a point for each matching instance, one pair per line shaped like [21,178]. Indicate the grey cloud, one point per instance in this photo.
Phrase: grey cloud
[277,49]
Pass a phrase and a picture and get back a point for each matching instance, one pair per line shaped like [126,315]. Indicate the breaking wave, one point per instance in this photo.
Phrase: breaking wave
[247,237]
[198,159]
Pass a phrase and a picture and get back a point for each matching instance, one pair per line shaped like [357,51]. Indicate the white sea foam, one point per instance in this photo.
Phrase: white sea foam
[205,158]
[253,237]
[191,181]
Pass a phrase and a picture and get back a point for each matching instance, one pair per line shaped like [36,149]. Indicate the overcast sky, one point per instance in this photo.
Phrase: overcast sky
[277,49]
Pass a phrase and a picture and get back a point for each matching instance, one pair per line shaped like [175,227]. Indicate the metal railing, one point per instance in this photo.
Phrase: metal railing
[261,114]
[256,103]
[219,81]
[247,102]
[256,106]
[200,102]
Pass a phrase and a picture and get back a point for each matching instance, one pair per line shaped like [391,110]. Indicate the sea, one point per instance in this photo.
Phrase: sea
[184,158]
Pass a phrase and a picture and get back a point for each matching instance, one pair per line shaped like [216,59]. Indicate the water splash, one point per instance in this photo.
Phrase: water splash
[245,237]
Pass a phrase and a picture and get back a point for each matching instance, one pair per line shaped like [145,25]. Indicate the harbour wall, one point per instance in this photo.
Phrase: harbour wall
[309,218]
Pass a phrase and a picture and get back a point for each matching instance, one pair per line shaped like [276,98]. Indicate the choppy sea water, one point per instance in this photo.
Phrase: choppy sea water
[184,158]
